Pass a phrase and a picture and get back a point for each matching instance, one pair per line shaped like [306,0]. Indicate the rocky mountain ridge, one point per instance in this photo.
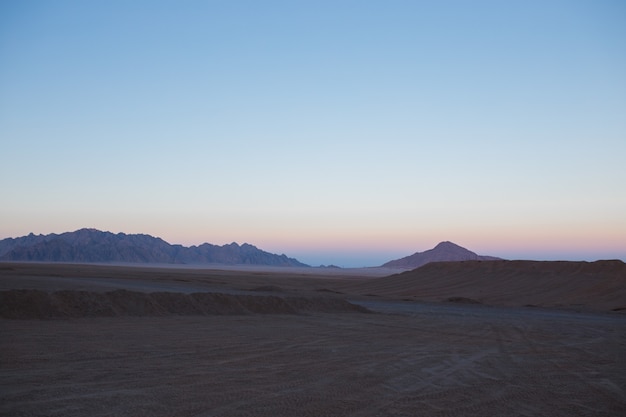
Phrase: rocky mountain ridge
[92,245]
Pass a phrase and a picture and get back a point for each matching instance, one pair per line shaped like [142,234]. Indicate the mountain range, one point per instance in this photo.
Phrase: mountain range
[443,252]
[95,246]
[91,245]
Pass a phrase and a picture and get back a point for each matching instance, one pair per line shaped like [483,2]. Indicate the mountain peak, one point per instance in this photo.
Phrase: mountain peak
[446,244]
[445,251]
[88,230]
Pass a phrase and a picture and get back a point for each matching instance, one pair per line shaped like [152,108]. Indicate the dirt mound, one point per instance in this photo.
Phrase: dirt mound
[36,304]
[599,285]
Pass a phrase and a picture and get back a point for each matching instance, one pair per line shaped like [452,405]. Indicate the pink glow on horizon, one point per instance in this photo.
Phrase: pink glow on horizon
[589,242]
[590,248]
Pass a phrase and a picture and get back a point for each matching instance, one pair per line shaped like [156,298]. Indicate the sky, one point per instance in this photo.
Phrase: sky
[337,132]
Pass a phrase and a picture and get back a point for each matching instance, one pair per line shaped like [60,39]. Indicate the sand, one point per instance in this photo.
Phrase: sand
[581,286]
[403,359]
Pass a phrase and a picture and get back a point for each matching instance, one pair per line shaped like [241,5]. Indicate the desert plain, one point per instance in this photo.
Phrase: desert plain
[456,339]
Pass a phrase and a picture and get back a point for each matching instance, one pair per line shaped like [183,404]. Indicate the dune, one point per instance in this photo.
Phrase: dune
[599,285]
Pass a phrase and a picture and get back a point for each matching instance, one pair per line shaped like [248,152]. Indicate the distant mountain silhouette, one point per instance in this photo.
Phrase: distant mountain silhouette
[443,252]
[91,245]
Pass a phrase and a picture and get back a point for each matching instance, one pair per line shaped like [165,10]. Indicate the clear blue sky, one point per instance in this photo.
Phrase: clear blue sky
[345,132]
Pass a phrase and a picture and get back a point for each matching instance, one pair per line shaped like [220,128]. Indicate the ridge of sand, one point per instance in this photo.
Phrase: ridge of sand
[37,304]
[599,285]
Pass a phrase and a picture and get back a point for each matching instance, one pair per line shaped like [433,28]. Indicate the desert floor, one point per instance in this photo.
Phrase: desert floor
[403,359]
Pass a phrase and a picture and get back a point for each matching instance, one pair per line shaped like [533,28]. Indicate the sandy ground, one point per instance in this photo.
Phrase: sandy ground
[578,286]
[407,359]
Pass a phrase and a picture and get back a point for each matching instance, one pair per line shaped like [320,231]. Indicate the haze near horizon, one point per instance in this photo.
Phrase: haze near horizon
[346,133]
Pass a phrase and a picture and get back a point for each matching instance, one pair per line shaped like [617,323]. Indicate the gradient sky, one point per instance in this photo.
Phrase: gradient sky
[343,132]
